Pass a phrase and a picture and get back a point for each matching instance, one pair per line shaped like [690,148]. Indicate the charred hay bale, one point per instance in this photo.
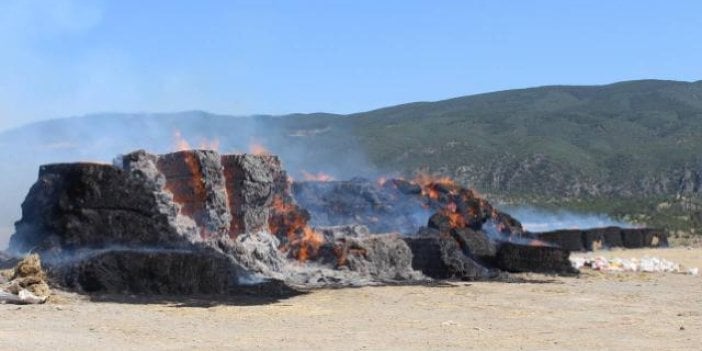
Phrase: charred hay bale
[252,182]
[593,239]
[381,257]
[643,237]
[567,239]
[148,272]
[474,243]
[598,238]
[506,224]
[440,222]
[514,257]
[612,236]
[440,257]
[656,238]
[93,205]
[633,238]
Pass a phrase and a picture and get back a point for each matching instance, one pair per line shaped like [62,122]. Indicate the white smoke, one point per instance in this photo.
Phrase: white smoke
[100,138]
[542,220]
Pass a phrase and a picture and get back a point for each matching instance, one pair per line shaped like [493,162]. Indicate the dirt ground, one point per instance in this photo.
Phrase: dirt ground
[596,311]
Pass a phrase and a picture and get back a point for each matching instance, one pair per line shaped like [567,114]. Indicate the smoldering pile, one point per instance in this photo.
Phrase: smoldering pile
[199,222]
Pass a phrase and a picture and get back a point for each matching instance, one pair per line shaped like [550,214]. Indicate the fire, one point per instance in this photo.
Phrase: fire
[456,219]
[318,177]
[460,206]
[426,179]
[206,144]
[302,241]
[309,243]
[180,143]
[430,184]
[258,149]
[190,191]
[381,181]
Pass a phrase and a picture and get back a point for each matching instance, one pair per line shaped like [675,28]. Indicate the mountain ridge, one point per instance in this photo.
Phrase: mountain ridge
[624,140]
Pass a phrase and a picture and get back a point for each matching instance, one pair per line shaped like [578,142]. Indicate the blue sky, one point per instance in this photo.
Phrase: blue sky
[70,57]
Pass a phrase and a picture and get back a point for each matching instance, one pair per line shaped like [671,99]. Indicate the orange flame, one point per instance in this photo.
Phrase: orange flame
[429,184]
[206,144]
[381,181]
[427,179]
[309,243]
[258,149]
[190,193]
[319,177]
[456,219]
[302,240]
[179,142]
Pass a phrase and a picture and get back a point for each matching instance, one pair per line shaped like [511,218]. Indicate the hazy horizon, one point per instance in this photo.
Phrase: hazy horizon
[217,113]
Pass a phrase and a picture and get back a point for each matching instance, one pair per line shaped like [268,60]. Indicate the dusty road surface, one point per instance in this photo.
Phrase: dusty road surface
[626,311]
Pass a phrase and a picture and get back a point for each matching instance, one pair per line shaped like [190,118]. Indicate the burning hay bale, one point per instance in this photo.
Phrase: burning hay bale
[89,218]
[27,282]
[195,221]
[196,181]
[465,232]
[290,223]
[253,183]
[397,205]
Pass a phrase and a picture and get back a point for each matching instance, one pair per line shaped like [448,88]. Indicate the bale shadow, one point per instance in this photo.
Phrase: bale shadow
[254,295]
[276,292]
[533,278]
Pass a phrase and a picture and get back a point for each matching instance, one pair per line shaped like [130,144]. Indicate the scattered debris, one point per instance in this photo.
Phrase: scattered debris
[646,264]
[27,284]
[450,323]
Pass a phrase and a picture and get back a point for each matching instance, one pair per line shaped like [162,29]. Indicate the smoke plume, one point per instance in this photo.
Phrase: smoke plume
[542,220]
[298,140]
